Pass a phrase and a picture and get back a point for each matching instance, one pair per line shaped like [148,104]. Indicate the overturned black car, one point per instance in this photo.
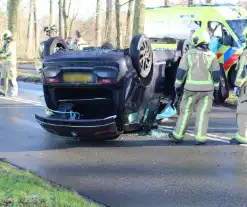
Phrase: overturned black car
[101,93]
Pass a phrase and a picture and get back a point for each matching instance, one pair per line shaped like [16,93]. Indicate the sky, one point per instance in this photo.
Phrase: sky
[86,8]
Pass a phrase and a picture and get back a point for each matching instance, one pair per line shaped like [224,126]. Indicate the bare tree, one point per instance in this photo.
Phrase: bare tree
[51,12]
[60,9]
[29,45]
[108,20]
[13,6]
[208,1]
[98,22]
[166,2]
[72,22]
[66,14]
[36,30]
[129,23]
[139,17]
[117,7]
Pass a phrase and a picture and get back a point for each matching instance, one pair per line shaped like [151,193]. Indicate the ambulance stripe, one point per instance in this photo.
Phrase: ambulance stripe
[231,61]
[228,54]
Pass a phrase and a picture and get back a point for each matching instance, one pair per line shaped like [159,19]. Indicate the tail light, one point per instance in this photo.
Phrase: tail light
[52,80]
[51,75]
[105,81]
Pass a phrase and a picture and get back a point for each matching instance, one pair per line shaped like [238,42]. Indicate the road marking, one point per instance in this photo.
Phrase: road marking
[190,133]
[23,101]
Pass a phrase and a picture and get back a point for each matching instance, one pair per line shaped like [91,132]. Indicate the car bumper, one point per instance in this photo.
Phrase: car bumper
[82,129]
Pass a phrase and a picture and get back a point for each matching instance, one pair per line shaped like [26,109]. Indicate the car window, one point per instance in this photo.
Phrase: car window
[222,33]
[169,28]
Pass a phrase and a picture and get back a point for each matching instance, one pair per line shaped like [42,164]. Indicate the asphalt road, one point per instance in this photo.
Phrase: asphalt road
[134,170]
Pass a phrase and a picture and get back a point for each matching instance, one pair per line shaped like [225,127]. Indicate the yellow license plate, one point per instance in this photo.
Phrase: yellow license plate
[77,78]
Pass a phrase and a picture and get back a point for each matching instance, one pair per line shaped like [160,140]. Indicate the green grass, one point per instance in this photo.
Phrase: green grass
[21,188]
[28,75]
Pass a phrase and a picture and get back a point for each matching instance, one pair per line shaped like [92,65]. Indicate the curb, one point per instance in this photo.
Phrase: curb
[54,184]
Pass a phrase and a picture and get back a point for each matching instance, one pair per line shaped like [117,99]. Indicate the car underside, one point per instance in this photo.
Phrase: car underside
[101,93]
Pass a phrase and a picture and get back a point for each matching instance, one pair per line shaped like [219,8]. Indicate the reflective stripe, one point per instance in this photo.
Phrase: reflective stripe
[209,64]
[216,85]
[189,79]
[178,82]
[200,124]
[186,115]
[190,65]
[239,81]
[241,139]
[200,82]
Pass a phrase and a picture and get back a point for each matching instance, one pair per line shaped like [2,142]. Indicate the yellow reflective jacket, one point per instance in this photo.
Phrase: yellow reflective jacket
[241,78]
[199,70]
[8,52]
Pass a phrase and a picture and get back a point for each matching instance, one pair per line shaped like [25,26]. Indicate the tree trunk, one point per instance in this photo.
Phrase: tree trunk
[66,15]
[30,31]
[190,2]
[36,31]
[117,7]
[51,12]
[13,6]
[129,23]
[60,8]
[108,21]
[98,22]
[166,2]
[139,17]
[208,1]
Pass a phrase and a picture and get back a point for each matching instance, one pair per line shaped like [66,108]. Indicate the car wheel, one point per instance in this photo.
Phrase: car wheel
[53,45]
[223,89]
[141,55]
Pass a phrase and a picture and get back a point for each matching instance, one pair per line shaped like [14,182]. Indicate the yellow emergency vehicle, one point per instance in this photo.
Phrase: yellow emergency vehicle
[166,26]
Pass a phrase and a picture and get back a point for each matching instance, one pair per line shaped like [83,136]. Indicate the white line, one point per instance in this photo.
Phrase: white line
[17,107]
[23,101]
[191,134]
[222,137]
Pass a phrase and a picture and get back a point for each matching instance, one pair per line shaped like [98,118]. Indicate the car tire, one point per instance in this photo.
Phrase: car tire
[52,43]
[141,55]
[224,88]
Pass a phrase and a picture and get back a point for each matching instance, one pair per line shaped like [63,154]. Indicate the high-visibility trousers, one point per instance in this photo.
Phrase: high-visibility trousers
[8,71]
[202,102]
[242,115]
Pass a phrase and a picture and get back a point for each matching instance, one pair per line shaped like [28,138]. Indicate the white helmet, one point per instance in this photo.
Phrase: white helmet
[6,34]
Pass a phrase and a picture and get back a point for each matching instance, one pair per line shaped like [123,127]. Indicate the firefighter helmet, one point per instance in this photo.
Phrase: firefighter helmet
[200,37]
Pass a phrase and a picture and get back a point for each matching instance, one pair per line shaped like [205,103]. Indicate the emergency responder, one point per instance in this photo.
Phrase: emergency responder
[214,42]
[9,59]
[200,70]
[241,92]
[50,31]
[79,42]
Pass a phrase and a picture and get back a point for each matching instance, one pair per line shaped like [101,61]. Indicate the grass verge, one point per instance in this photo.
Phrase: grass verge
[28,77]
[20,188]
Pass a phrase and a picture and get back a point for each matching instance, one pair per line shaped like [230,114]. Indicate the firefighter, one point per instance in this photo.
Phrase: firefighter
[9,59]
[50,31]
[79,42]
[199,71]
[241,92]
